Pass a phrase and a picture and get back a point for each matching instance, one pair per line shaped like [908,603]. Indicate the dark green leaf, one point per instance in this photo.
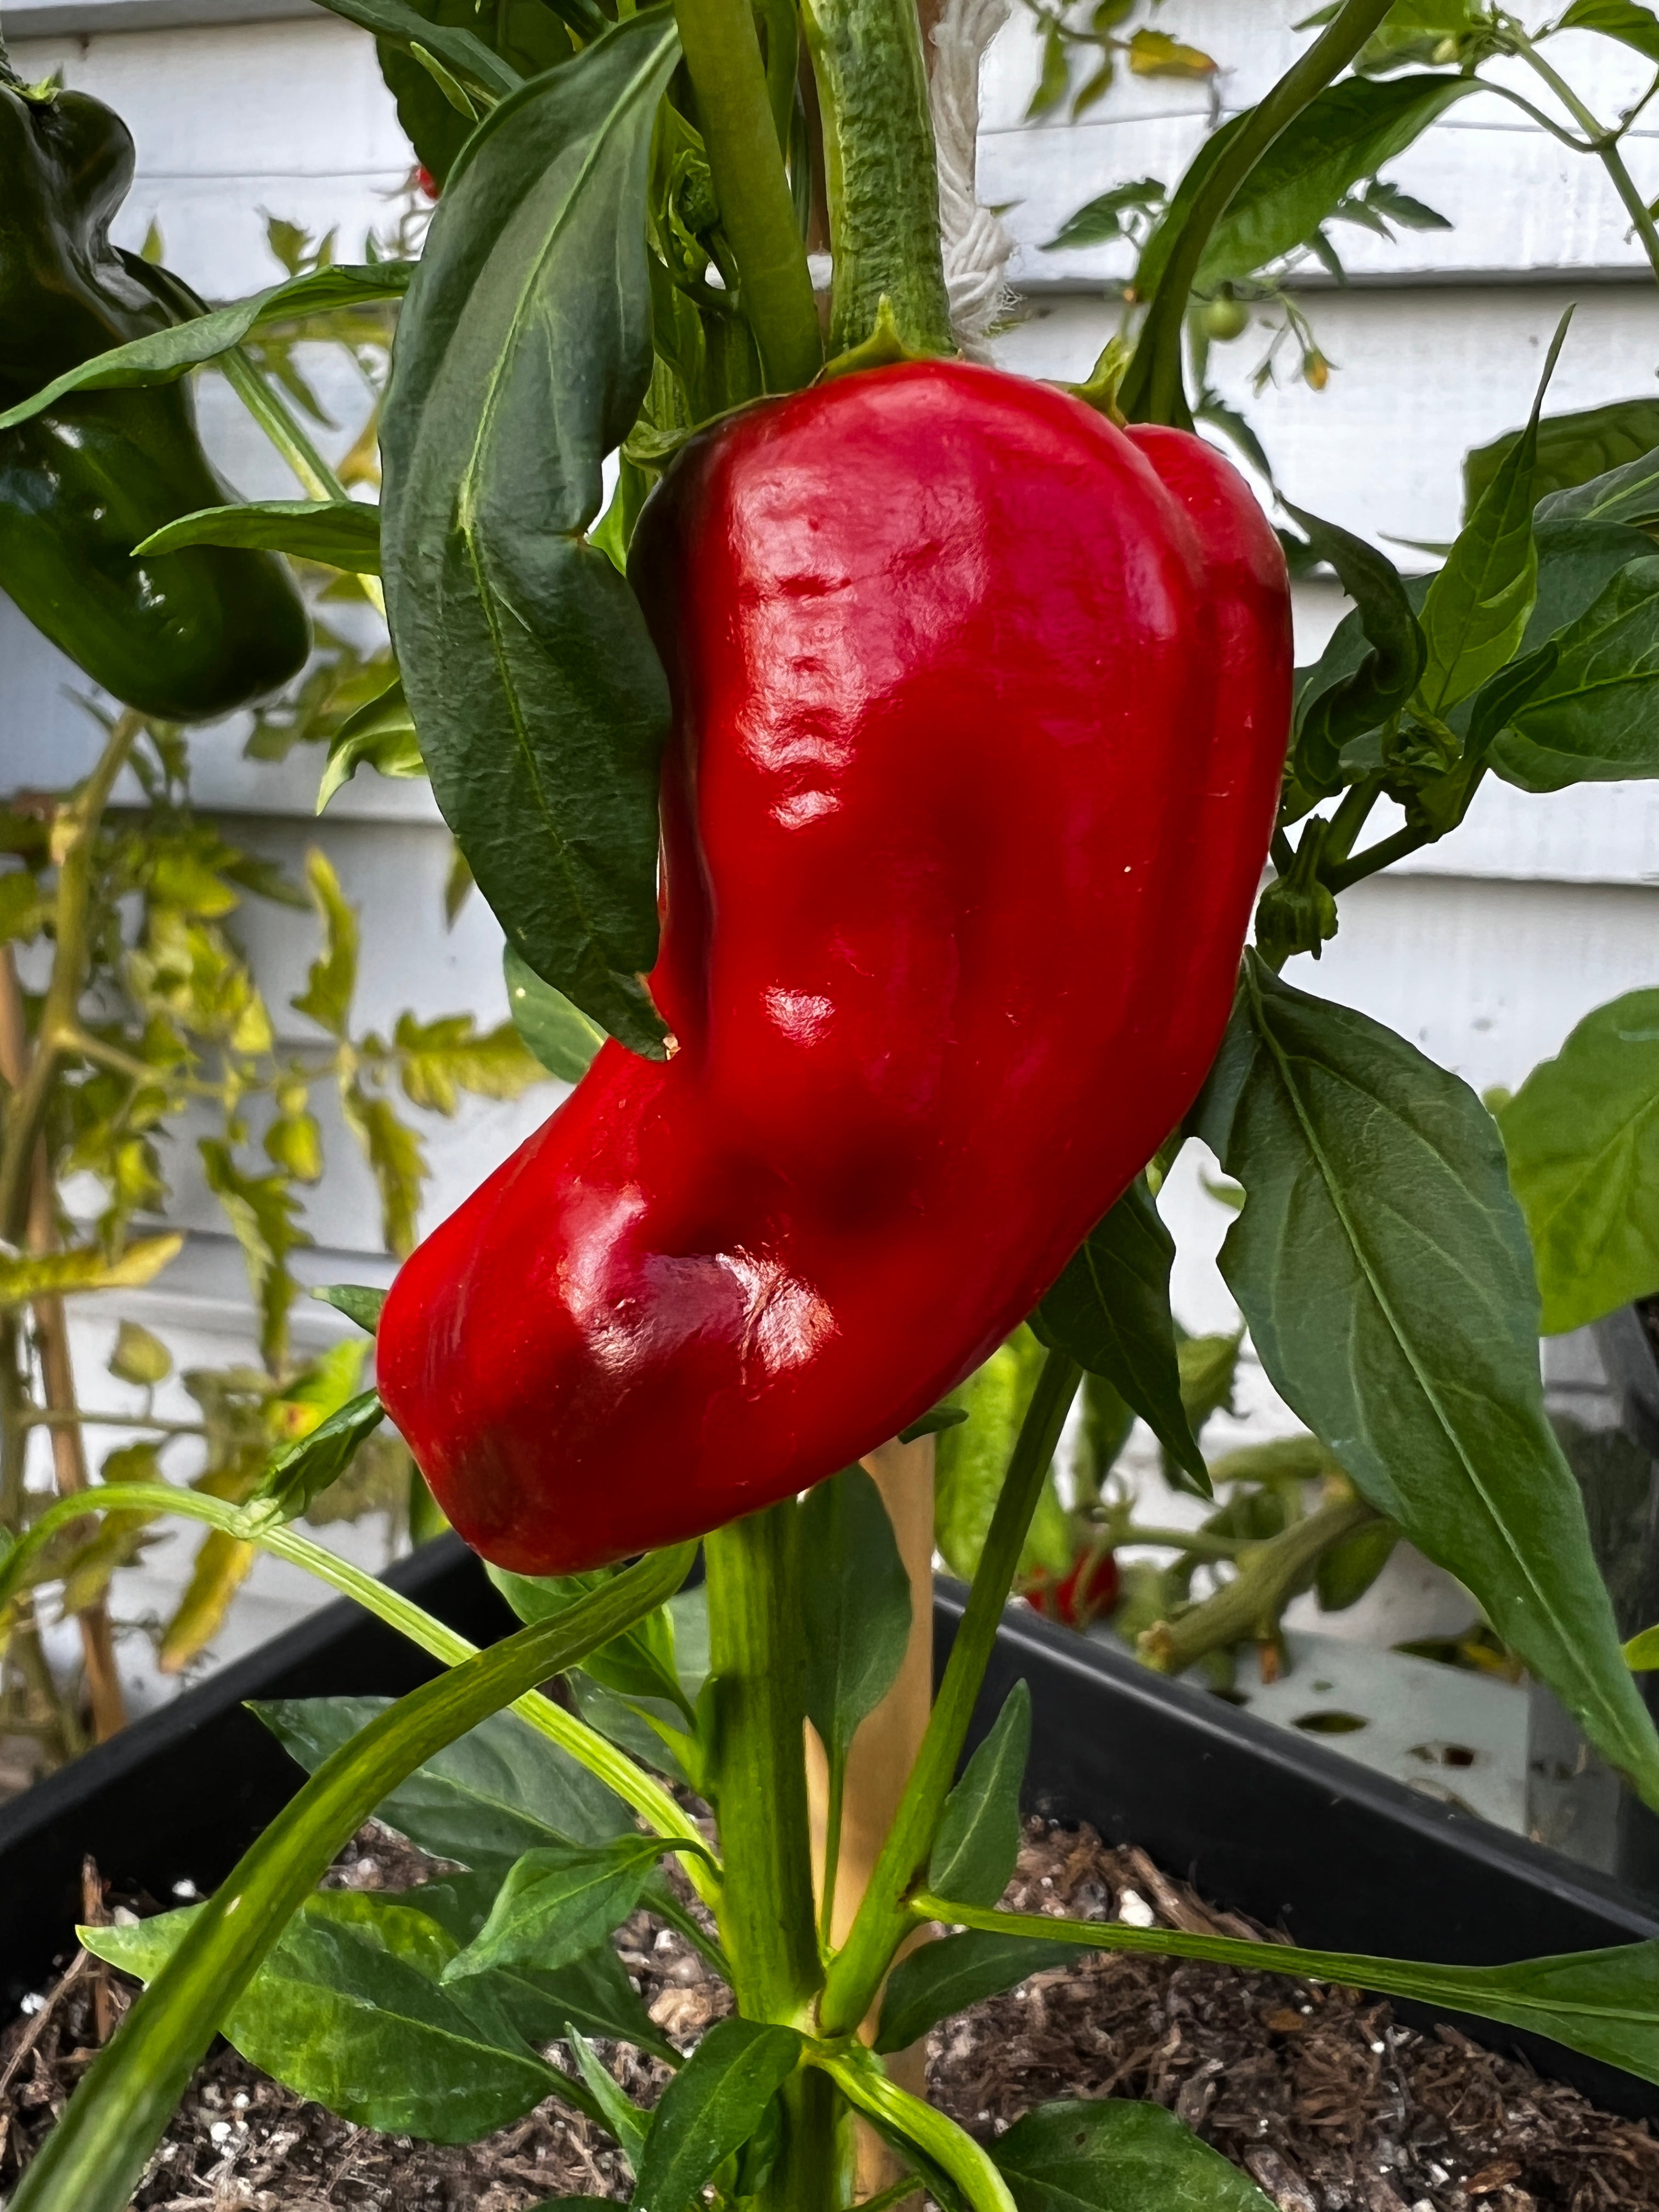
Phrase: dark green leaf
[638,1665]
[618,2111]
[560,1034]
[971,1460]
[711,2108]
[1583,1139]
[395,23]
[978,1840]
[1477,609]
[1624,19]
[341,533]
[1347,1571]
[1110,2155]
[523,355]
[358,1302]
[1055,79]
[1349,132]
[1382,1266]
[380,734]
[1110,1312]
[934,1423]
[1330,715]
[1102,219]
[166,354]
[930,1983]
[1499,698]
[304,1469]
[855,1612]
[1572,449]
[497,1792]
[1591,719]
[527,34]
[557,1902]
[347,2011]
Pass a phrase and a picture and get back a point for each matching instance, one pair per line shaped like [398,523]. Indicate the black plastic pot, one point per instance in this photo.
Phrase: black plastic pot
[1263,1821]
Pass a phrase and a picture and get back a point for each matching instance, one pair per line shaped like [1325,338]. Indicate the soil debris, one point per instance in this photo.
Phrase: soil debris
[1327,2101]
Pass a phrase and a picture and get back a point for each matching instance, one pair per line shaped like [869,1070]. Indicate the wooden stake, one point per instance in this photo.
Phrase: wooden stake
[57,1370]
[879,1765]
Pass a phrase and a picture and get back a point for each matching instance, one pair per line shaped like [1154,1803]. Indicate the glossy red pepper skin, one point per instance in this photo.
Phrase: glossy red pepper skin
[981,706]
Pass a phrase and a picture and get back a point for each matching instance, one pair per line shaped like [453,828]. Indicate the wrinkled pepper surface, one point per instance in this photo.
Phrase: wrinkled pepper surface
[184,635]
[980,711]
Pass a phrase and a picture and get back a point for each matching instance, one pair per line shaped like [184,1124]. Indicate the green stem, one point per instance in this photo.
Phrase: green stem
[1198,1541]
[1250,1604]
[251,385]
[863,2083]
[1377,857]
[833,1813]
[751,188]
[856,1972]
[74,836]
[1152,390]
[1603,144]
[248,1525]
[757,1661]
[882,171]
[95,2155]
[1349,819]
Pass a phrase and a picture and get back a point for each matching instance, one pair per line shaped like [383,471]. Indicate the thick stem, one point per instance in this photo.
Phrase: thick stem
[1151,389]
[856,1974]
[882,173]
[1250,1604]
[755,1659]
[1377,857]
[751,188]
[48,1721]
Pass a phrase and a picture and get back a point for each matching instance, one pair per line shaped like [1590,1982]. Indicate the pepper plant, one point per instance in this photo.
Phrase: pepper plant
[616,263]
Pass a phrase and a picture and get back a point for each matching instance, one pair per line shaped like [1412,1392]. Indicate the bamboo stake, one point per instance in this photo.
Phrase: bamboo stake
[878,1764]
[57,1369]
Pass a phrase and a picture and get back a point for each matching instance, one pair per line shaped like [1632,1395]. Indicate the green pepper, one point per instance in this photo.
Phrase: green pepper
[186,635]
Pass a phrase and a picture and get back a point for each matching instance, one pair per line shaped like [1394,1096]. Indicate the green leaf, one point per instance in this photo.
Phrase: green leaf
[1110,2155]
[1344,135]
[557,1902]
[972,1459]
[394,23]
[938,1980]
[1329,715]
[523,355]
[382,733]
[527,34]
[1583,1139]
[711,2108]
[618,2112]
[395,1160]
[1592,719]
[1382,1264]
[1477,609]
[1572,449]
[1347,1571]
[438,1059]
[1624,19]
[339,533]
[933,1423]
[560,1034]
[347,2011]
[974,1852]
[1110,1312]
[592,1995]
[1101,220]
[640,1665]
[57,1274]
[855,1615]
[166,354]
[264,1215]
[299,1473]
[100,2148]
[333,977]
[358,1302]
[497,1792]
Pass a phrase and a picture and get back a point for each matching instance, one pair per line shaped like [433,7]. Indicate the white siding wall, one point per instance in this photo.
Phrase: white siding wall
[1485,950]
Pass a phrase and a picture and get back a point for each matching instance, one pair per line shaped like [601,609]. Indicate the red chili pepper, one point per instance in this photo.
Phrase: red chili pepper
[1088,1589]
[981,706]
[428,183]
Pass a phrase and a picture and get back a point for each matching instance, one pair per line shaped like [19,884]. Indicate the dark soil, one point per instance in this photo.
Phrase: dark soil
[1328,2102]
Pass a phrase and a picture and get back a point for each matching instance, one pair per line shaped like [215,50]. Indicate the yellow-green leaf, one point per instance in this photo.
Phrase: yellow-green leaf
[333,976]
[54,1274]
[1155,53]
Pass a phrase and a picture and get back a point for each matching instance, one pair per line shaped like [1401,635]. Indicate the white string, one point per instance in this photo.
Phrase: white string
[977,244]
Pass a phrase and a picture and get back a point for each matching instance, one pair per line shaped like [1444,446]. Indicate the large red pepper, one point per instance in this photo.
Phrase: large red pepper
[980,709]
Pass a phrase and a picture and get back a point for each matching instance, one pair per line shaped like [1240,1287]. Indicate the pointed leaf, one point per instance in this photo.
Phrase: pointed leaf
[341,533]
[557,1902]
[855,1606]
[1111,2155]
[711,2108]
[559,1034]
[56,1274]
[978,1841]
[932,1982]
[1111,1311]
[1330,715]
[523,355]
[305,1469]
[398,25]
[618,2112]
[1594,717]
[358,1302]
[1382,1264]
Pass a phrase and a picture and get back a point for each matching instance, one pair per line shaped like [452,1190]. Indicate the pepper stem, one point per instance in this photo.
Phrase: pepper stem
[882,171]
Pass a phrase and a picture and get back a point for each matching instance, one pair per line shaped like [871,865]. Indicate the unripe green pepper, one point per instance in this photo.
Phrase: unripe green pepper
[186,635]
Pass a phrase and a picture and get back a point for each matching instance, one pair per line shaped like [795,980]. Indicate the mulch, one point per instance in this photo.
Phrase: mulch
[1320,2094]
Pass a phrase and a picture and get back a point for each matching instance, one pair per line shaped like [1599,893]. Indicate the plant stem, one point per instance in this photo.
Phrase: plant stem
[1603,144]
[756,1659]
[1152,390]
[864,2084]
[1198,1541]
[49,1722]
[1349,819]
[751,187]
[882,171]
[1250,1604]
[856,1972]
[613,1766]
[1376,857]
[248,382]
[73,834]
